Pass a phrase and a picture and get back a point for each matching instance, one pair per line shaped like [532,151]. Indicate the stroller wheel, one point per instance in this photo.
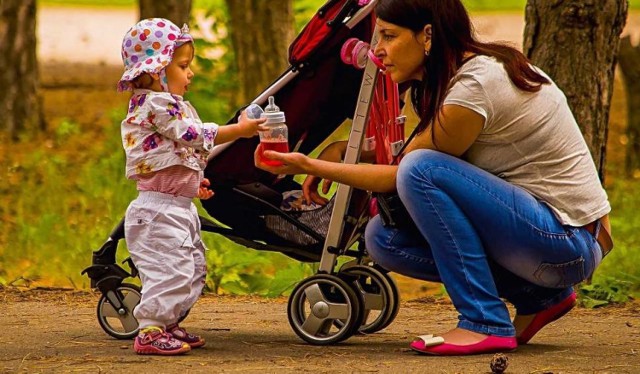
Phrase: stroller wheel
[121,324]
[317,302]
[395,299]
[380,297]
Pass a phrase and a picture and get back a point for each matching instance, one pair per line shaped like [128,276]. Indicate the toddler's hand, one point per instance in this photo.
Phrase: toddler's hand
[250,127]
[203,191]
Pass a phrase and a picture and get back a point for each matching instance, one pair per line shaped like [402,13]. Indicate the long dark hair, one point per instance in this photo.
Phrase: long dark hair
[452,36]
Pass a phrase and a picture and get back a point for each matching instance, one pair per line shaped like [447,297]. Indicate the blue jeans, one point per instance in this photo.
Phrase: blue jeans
[484,239]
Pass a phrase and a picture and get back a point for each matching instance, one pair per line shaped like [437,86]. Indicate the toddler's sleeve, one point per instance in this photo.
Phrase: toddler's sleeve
[173,119]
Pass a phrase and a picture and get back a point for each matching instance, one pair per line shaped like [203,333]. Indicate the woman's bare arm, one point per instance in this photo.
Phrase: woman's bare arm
[456,129]
[376,178]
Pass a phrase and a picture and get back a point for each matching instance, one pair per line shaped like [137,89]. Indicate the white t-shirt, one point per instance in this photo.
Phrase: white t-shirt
[531,140]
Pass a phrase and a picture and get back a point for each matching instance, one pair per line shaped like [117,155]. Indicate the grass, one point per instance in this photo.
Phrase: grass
[58,205]
[622,263]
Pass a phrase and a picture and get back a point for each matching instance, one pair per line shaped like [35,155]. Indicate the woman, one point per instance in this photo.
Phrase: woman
[499,181]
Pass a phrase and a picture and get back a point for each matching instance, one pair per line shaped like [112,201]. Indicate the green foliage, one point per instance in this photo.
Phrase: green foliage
[492,5]
[238,270]
[618,277]
[303,11]
[65,129]
[52,239]
[61,205]
[607,290]
[213,86]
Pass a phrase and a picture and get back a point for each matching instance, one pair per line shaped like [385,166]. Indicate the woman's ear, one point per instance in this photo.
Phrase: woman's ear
[155,76]
[426,33]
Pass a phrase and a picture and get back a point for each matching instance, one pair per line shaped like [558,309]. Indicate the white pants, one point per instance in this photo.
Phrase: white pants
[163,236]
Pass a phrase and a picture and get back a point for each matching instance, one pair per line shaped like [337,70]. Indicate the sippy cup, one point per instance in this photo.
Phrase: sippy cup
[276,137]
[254,111]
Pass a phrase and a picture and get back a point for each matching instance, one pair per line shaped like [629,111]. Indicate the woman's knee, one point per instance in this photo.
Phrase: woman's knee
[422,160]
[373,239]
[416,167]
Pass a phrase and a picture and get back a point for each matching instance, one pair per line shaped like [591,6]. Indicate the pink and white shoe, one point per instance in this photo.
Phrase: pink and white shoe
[155,341]
[178,332]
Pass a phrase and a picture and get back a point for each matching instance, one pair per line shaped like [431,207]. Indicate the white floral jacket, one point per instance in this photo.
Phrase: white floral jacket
[163,130]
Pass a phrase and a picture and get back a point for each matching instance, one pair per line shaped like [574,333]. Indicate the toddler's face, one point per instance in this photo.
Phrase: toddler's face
[179,71]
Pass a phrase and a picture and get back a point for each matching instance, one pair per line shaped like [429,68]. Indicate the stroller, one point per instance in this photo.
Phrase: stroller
[333,76]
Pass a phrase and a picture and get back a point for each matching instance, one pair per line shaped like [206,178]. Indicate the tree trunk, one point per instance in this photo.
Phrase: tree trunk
[21,106]
[176,11]
[629,58]
[576,42]
[260,34]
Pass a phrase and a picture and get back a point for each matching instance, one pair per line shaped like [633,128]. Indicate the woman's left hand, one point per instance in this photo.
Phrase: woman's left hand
[292,163]
[204,192]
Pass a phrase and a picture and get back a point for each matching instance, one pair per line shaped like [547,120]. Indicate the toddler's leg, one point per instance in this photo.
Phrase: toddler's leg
[154,240]
[158,238]
[196,251]
[200,264]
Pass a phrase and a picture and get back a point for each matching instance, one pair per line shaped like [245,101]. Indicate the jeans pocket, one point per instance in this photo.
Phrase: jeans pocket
[560,275]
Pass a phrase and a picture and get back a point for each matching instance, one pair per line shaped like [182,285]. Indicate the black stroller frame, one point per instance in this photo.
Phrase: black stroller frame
[326,308]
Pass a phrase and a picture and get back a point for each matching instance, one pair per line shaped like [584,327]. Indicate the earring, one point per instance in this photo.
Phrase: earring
[426,52]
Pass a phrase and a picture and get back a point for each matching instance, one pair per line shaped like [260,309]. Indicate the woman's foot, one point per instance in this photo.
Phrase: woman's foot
[528,325]
[459,342]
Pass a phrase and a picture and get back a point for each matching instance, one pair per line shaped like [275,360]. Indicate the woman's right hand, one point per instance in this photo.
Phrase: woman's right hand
[292,163]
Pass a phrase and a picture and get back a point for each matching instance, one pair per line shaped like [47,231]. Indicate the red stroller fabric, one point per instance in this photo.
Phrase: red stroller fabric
[321,97]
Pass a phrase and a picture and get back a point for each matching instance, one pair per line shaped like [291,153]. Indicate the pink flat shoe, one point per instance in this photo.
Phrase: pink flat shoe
[545,317]
[435,345]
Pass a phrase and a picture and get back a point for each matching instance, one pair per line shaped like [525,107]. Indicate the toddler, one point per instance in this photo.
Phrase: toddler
[166,146]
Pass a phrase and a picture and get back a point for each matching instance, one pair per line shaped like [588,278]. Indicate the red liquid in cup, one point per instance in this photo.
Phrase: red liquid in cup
[282,147]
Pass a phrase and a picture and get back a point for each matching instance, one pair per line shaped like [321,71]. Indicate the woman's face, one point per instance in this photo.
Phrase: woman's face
[401,51]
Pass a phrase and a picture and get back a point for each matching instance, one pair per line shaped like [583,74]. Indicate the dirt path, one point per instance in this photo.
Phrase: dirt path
[53,331]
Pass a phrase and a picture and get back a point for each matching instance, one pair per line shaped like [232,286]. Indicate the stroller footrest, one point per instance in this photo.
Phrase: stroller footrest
[98,273]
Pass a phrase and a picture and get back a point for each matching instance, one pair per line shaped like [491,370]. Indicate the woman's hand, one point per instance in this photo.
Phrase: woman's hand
[375,178]
[310,190]
[293,163]
[204,192]
[334,152]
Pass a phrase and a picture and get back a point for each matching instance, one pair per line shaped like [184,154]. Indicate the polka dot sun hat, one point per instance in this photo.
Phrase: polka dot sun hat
[148,48]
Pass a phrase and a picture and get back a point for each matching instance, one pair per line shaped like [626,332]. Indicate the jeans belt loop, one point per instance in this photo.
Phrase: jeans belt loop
[601,235]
